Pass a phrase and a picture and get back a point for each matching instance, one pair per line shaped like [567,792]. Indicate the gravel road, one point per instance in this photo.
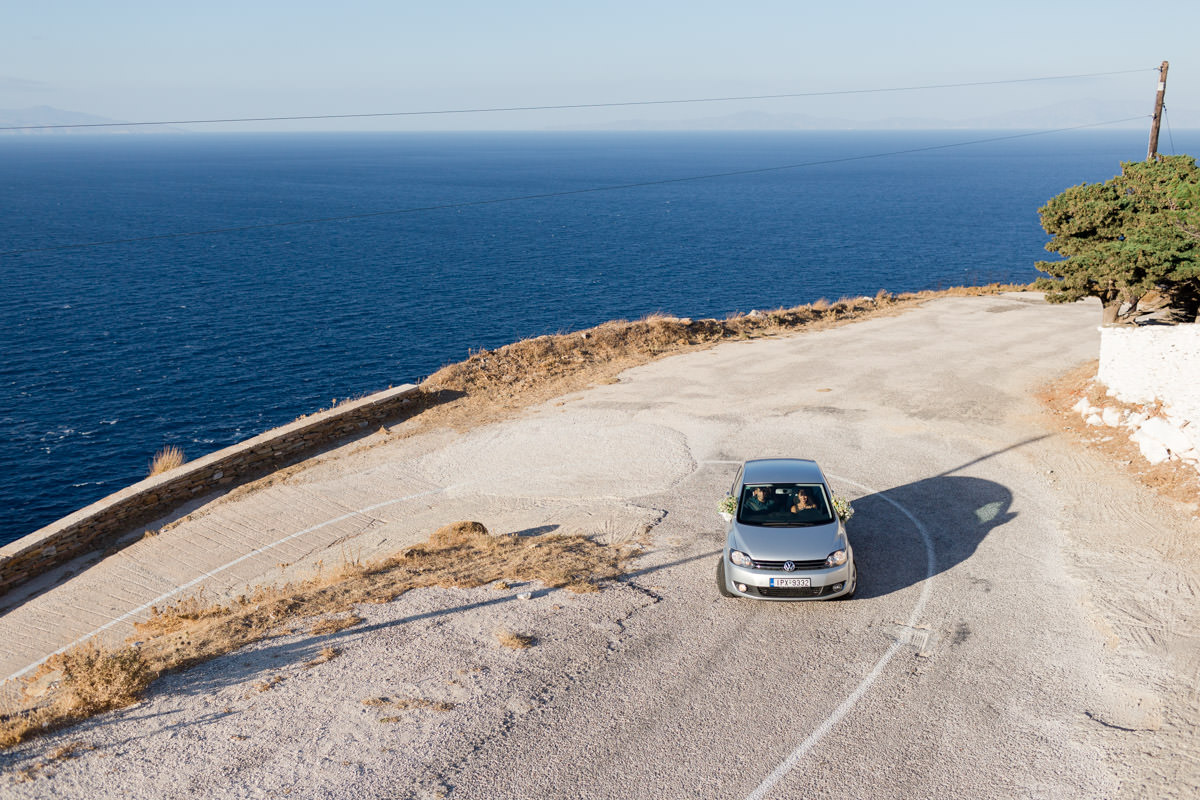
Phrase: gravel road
[1026,623]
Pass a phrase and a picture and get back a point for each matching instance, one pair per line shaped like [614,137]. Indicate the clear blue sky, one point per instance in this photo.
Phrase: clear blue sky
[135,60]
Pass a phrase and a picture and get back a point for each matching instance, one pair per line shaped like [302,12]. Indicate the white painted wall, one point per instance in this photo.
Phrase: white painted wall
[1145,364]
[1140,364]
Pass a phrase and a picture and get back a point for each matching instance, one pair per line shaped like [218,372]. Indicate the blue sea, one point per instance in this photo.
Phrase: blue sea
[111,351]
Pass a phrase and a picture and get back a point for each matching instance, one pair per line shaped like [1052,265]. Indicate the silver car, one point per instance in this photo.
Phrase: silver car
[785,541]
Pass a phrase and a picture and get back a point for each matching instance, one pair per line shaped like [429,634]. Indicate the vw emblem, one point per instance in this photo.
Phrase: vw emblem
[788,566]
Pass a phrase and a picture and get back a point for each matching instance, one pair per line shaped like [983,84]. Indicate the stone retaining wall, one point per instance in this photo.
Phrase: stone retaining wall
[99,525]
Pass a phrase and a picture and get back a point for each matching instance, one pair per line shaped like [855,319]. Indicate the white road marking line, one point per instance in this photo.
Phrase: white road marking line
[214,573]
[842,710]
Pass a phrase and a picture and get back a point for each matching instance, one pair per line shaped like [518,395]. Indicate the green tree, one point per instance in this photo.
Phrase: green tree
[1136,233]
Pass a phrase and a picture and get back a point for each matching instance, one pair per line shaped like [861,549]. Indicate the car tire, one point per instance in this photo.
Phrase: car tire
[721,587]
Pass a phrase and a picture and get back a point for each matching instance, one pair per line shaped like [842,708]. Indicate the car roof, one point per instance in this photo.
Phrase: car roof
[782,470]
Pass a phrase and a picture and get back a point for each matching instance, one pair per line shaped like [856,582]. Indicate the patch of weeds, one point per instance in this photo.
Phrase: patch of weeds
[71,750]
[327,654]
[514,641]
[407,704]
[166,459]
[269,683]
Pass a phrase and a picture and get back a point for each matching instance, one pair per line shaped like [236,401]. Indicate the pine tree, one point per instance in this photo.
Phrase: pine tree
[1136,233]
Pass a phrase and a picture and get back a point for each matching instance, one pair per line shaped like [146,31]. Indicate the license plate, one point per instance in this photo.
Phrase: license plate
[791,583]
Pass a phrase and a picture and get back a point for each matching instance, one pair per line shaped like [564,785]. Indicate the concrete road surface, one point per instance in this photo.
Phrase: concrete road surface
[1025,625]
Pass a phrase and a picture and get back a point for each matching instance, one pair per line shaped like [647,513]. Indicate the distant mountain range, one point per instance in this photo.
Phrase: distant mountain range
[35,116]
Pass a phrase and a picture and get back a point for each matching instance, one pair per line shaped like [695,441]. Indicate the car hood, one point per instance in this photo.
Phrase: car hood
[782,544]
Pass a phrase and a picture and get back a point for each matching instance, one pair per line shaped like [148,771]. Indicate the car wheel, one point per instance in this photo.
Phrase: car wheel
[721,587]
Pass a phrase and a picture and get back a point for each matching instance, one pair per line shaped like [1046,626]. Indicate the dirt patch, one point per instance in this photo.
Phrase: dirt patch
[1172,479]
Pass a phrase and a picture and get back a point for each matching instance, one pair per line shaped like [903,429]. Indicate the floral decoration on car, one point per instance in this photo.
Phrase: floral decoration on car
[843,508]
[728,505]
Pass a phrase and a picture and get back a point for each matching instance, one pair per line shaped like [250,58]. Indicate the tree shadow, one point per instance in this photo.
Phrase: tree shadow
[956,512]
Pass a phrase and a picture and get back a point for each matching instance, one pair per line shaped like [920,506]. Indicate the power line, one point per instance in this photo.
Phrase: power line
[569,106]
[563,193]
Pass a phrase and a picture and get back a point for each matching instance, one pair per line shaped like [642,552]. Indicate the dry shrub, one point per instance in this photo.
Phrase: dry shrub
[513,640]
[91,679]
[165,459]
[459,533]
[95,679]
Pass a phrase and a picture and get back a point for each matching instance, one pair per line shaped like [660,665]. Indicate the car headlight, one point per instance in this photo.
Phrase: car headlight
[836,558]
[741,559]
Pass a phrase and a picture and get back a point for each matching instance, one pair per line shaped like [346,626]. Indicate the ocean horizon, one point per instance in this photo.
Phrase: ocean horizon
[345,263]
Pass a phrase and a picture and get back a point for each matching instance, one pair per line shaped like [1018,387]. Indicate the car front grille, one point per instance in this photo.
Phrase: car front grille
[818,564]
[807,591]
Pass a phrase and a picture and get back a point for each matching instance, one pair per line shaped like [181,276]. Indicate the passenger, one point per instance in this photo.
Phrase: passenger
[804,502]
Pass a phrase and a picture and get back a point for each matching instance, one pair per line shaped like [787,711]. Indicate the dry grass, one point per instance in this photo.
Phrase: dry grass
[514,641]
[335,624]
[92,679]
[1171,479]
[268,685]
[407,704]
[327,654]
[166,459]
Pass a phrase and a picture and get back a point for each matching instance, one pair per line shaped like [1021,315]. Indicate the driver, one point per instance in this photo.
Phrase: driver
[758,499]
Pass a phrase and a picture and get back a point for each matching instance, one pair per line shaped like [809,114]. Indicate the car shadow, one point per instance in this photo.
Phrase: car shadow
[957,513]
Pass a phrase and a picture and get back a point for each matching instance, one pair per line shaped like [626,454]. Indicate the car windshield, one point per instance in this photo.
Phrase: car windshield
[784,504]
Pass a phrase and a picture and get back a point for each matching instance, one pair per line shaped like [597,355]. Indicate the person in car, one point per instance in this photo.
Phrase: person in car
[804,502]
[758,499]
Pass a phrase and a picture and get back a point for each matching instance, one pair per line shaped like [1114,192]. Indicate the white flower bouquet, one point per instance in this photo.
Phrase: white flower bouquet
[727,507]
[843,508]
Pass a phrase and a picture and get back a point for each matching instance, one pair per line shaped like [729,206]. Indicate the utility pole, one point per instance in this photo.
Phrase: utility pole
[1152,152]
